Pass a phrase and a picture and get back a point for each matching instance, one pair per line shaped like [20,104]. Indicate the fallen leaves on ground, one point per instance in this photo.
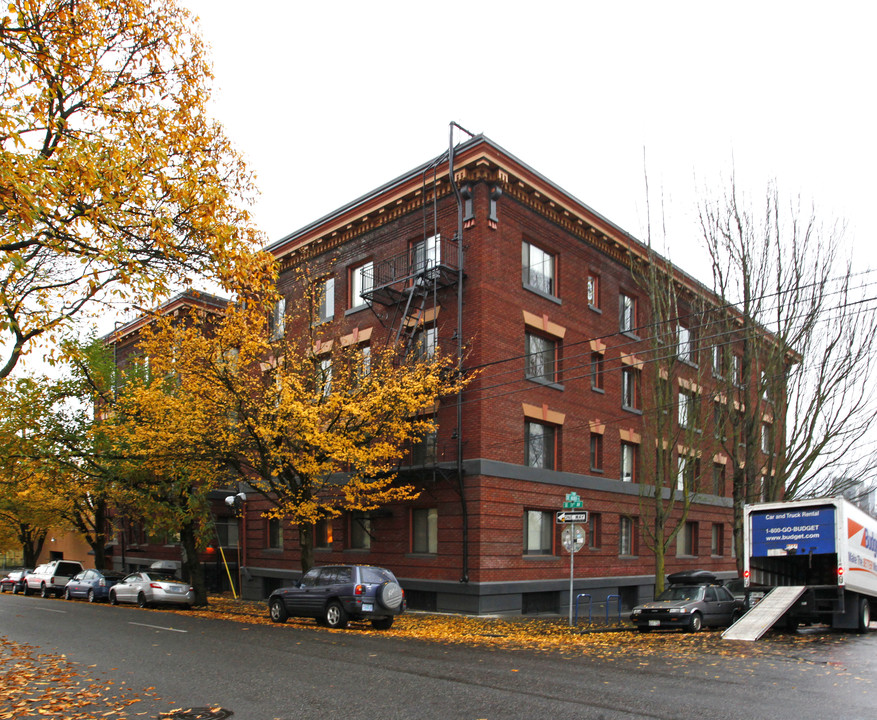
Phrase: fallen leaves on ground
[38,684]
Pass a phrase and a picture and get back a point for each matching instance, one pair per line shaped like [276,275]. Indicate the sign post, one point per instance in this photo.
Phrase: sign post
[572,537]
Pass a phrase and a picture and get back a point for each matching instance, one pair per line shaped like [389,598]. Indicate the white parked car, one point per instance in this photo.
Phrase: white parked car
[151,587]
[52,577]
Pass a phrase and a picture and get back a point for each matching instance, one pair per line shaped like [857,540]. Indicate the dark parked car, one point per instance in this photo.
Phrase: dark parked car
[336,594]
[693,600]
[93,585]
[14,581]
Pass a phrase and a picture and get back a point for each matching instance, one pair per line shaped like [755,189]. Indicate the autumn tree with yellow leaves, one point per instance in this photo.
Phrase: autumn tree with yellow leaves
[30,505]
[115,185]
[305,414]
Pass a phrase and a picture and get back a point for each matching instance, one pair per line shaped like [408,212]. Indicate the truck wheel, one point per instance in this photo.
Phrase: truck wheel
[44,591]
[864,615]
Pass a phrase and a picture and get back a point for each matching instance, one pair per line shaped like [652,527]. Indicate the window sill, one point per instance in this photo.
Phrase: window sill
[595,309]
[597,470]
[598,390]
[628,557]
[631,335]
[540,293]
[539,557]
[356,309]
[633,410]
[546,383]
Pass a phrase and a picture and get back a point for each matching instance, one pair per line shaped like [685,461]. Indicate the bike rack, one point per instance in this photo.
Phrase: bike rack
[578,597]
[608,598]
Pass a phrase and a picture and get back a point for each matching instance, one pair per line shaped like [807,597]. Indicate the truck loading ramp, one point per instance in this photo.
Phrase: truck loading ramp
[762,617]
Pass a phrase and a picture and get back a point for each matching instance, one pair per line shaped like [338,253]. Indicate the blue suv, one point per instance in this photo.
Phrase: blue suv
[336,594]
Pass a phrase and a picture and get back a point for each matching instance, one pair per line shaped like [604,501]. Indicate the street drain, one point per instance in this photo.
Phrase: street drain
[205,713]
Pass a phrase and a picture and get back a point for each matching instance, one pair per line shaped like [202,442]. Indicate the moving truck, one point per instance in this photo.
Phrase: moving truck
[827,547]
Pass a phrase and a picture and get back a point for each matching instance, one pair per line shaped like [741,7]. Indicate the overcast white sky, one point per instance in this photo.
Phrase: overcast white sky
[327,101]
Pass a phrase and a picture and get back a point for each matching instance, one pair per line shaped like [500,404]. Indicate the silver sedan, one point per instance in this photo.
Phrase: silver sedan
[152,588]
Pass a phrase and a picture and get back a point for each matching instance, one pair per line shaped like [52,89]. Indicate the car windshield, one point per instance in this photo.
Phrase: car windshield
[680,593]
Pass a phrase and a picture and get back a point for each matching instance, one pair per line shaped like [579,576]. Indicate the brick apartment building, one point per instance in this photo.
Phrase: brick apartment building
[535,290]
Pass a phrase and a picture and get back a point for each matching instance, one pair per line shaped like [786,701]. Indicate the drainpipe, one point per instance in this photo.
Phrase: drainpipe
[464,514]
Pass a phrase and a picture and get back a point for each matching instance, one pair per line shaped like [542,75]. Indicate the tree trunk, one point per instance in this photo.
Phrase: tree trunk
[306,543]
[193,571]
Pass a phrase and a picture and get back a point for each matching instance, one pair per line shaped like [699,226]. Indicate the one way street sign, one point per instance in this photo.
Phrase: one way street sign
[565,516]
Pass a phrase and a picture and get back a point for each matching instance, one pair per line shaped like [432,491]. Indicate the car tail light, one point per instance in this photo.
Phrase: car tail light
[359,590]
[155,585]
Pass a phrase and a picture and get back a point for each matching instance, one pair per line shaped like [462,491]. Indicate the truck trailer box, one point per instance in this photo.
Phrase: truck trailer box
[827,545]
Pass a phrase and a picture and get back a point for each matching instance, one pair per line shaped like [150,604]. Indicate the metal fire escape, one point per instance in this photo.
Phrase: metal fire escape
[410,286]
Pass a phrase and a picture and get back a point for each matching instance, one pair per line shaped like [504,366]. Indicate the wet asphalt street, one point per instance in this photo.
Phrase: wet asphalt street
[260,672]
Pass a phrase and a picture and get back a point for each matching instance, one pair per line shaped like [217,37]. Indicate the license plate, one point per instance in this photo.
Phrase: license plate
[176,589]
[654,623]
[368,607]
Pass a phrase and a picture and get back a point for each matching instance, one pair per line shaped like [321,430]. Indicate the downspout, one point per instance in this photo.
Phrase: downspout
[464,509]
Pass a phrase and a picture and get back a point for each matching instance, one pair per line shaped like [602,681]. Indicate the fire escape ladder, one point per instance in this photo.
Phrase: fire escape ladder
[412,316]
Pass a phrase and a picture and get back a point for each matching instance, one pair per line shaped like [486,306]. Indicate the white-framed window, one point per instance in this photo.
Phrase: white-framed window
[538,269]
[628,462]
[737,370]
[687,409]
[540,445]
[325,300]
[541,359]
[425,342]
[324,367]
[538,532]
[627,313]
[684,344]
[426,254]
[717,540]
[686,472]
[424,530]
[686,540]
[361,279]
[718,361]
[277,319]
[630,388]
[626,535]
[594,291]
[365,360]
[766,446]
